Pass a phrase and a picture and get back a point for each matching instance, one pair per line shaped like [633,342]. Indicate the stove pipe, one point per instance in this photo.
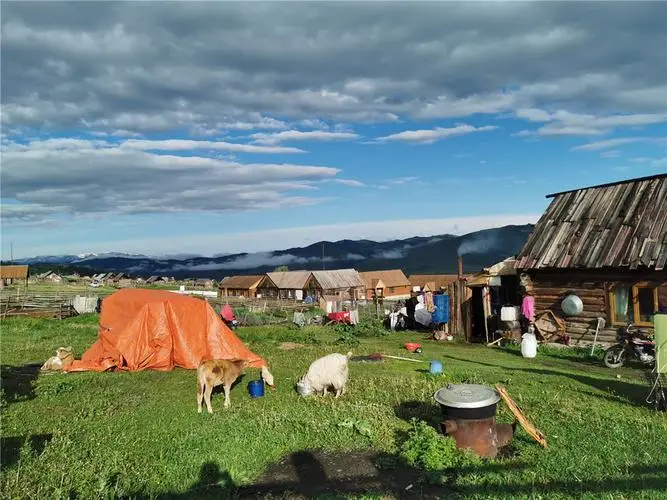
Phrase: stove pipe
[460,267]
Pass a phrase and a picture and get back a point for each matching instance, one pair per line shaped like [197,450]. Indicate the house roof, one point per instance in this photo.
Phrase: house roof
[437,280]
[390,278]
[620,225]
[241,282]
[289,280]
[502,268]
[338,278]
[13,272]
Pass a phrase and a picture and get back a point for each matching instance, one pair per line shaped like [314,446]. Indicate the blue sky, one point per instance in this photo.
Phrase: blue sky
[160,134]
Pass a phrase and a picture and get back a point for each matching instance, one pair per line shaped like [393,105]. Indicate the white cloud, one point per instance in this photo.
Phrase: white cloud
[348,182]
[610,143]
[247,261]
[659,162]
[186,145]
[265,240]
[298,135]
[390,254]
[610,154]
[113,66]
[566,123]
[433,135]
[71,176]
[479,244]
[401,180]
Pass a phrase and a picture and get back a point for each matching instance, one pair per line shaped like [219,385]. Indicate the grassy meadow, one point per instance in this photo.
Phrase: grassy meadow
[121,435]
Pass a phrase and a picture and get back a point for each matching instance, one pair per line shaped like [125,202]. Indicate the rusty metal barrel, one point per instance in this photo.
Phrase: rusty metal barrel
[469,416]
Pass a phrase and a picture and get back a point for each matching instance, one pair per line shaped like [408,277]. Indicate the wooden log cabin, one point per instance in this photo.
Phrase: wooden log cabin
[606,244]
[12,274]
[386,284]
[240,286]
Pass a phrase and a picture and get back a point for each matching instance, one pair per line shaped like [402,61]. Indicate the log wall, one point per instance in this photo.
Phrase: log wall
[550,287]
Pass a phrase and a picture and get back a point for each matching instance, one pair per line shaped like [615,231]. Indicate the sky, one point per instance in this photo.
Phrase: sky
[219,127]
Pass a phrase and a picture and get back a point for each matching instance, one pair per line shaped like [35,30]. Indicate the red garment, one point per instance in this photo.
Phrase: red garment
[227,313]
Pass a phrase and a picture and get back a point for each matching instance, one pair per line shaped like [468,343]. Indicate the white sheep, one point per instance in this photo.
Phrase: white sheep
[327,371]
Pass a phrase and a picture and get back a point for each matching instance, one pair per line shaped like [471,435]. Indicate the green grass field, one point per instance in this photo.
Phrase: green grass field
[110,435]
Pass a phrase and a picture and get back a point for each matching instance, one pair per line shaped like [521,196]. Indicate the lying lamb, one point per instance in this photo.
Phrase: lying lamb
[63,358]
[328,371]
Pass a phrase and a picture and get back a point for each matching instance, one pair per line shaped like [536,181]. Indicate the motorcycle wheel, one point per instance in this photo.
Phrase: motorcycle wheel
[660,401]
[614,357]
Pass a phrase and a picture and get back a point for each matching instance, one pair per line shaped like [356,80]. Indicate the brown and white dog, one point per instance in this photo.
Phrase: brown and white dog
[64,357]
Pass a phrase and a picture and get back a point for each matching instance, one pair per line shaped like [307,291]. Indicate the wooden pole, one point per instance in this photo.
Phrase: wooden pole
[534,432]
[459,297]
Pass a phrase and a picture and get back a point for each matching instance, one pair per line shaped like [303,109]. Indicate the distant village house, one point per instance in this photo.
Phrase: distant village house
[13,274]
[240,286]
[294,285]
[386,284]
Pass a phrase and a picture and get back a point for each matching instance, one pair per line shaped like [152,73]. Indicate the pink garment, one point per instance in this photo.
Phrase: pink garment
[528,308]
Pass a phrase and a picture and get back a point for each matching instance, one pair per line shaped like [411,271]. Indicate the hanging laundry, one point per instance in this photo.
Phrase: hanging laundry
[486,301]
[428,302]
[528,308]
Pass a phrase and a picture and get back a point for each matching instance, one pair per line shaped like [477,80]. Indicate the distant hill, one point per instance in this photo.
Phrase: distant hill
[421,255]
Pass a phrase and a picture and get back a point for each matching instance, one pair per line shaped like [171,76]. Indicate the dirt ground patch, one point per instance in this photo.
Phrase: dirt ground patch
[309,473]
[288,346]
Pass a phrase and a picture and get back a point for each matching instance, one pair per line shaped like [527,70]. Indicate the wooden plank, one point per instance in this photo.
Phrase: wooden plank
[534,432]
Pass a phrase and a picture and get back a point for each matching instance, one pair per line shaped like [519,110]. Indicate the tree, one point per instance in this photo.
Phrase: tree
[281,269]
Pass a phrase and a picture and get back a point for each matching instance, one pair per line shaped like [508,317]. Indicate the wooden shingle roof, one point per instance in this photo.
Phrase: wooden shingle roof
[620,225]
[337,279]
[13,272]
[241,282]
[390,278]
[289,280]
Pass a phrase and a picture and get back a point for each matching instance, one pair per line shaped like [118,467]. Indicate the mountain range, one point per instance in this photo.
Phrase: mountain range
[417,255]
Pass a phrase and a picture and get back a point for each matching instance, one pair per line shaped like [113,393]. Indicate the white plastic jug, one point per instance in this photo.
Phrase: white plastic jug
[529,345]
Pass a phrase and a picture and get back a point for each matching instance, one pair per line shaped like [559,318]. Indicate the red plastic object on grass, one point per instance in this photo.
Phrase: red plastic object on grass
[412,346]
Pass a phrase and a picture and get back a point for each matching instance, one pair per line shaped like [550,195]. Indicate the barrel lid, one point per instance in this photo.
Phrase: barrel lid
[466,396]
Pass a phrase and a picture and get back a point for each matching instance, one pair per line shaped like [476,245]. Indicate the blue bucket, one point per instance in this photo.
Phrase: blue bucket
[435,367]
[256,388]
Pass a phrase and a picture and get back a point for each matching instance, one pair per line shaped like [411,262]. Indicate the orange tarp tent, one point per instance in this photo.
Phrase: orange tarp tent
[158,330]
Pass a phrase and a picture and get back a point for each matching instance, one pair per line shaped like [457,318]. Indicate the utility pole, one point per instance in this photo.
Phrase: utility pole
[323,267]
[11,252]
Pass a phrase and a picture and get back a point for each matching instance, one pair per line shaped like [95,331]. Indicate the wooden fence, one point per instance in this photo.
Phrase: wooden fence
[37,304]
[59,304]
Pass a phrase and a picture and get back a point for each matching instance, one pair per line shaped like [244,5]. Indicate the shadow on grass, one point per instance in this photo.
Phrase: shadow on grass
[18,382]
[313,473]
[624,391]
[10,447]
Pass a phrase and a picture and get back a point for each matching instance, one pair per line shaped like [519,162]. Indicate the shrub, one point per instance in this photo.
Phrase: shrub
[436,455]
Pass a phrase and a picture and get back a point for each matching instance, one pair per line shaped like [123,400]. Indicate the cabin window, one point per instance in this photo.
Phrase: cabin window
[636,304]
[662,298]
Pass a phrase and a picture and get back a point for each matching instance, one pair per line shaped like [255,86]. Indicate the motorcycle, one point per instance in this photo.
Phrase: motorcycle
[632,344]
